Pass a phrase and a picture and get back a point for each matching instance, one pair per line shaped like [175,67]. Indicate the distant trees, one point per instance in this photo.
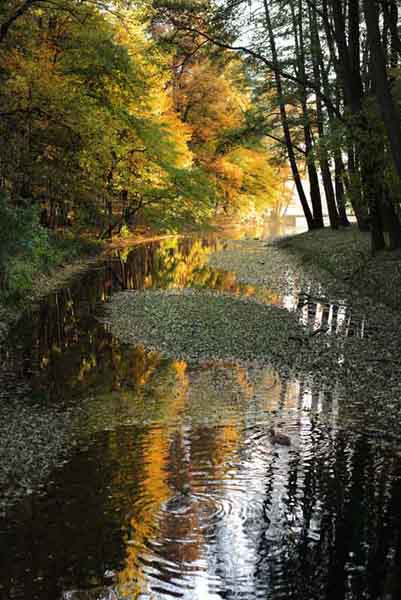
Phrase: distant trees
[213,99]
[332,68]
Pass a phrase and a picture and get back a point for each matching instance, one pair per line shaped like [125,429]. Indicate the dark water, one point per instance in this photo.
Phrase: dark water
[163,481]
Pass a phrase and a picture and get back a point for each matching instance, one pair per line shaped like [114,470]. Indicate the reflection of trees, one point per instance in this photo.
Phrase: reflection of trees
[63,342]
[201,457]
[69,536]
[327,516]
[70,352]
[335,318]
[169,457]
[154,487]
[341,522]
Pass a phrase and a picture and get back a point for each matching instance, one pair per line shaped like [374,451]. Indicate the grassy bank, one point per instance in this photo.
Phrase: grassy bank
[346,255]
[36,267]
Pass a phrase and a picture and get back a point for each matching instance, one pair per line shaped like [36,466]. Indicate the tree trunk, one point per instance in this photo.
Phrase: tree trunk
[339,185]
[323,160]
[19,12]
[391,222]
[350,72]
[390,13]
[329,191]
[372,175]
[354,190]
[316,198]
[390,114]
[315,195]
[285,125]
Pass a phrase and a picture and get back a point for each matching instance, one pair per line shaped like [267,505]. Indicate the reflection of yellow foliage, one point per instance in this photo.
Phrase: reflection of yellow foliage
[159,463]
[181,368]
[179,263]
[146,373]
[44,361]
[87,365]
[243,380]
[227,440]
[155,489]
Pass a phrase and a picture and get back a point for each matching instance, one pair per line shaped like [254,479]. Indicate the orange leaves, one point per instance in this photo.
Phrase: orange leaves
[208,101]
[212,99]
[115,124]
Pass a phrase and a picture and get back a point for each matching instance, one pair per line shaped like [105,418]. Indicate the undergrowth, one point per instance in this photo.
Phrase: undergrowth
[29,251]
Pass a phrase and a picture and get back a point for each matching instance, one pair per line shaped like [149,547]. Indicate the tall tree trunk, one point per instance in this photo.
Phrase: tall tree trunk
[390,13]
[348,64]
[284,123]
[339,186]
[354,190]
[391,222]
[350,72]
[372,173]
[390,114]
[323,160]
[315,195]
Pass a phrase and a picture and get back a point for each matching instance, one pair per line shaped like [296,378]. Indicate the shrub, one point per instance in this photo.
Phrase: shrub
[27,249]
[24,244]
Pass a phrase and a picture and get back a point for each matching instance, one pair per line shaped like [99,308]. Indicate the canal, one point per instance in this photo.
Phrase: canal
[129,475]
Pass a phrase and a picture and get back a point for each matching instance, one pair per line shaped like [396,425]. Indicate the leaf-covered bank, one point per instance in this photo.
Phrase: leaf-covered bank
[346,255]
[196,325]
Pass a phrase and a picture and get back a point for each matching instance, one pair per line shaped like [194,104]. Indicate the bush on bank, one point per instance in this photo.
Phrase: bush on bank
[28,250]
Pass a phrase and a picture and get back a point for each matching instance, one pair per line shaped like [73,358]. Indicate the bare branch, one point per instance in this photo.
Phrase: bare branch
[307,83]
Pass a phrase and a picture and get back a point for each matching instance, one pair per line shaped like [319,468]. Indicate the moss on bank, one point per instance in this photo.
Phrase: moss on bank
[346,255]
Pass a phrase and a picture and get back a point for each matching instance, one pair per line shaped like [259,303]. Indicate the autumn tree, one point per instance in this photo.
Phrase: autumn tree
[313,57]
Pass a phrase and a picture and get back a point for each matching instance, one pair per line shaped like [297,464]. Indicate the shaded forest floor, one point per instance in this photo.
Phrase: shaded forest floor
[346,255]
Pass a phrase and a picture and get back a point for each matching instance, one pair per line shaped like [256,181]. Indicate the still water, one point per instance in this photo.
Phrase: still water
[159,480]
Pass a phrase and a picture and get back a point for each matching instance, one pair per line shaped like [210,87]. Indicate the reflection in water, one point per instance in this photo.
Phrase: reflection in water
[335,318]
[171,487]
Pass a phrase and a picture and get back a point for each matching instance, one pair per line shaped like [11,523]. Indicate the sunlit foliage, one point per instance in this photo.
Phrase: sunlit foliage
[99,131]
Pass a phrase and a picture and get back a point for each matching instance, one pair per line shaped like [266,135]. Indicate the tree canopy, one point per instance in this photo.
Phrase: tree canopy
[330,72]
[170,113]
[104,124]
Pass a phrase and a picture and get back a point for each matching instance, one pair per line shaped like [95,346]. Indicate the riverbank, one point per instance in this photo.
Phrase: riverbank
[29,281]
[66,258]
[346,255]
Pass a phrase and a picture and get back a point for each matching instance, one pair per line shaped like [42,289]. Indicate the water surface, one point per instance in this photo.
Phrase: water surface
[152,479]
